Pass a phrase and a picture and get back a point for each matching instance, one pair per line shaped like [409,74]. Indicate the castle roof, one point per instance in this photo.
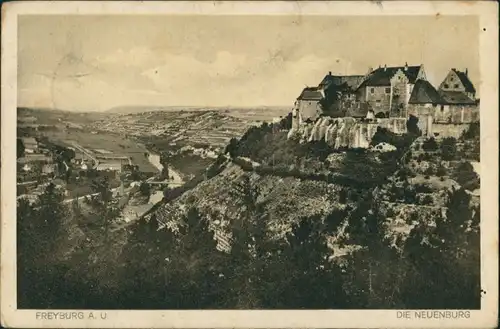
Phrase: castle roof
[352,81]
[311,93]
[382,76]
[424,93]
[455,98]
[469,87]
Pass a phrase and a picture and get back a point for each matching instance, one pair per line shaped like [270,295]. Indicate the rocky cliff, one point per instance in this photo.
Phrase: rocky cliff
[344,132]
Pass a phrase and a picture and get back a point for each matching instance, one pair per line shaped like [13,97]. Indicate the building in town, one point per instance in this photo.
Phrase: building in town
[111,166]
[30,144]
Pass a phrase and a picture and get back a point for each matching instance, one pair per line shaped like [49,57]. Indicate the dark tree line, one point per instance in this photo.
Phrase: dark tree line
[160,268]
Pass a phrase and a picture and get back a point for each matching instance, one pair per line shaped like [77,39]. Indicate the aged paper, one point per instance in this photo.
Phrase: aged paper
[249,164]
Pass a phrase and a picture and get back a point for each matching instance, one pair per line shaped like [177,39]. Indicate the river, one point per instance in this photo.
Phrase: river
[175,181]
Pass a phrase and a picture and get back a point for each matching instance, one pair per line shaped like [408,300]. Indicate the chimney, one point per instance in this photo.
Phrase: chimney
[466,72]
[385,67]
[330,73]
[406,66]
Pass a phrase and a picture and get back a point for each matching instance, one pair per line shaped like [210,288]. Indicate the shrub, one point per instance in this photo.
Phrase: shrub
[426,200]
[449,148]
[410,196]
[383,135]
[472,132]
[430,144]
[465,175]
[440,171]
[420,188]
[429,171]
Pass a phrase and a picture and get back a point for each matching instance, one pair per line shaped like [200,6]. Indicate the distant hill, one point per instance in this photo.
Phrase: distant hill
[140,109]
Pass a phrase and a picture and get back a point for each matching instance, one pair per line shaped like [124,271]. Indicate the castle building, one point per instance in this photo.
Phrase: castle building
[308,103]
[395,92]
[424,103]
[339,92]
[458,82]
[388,89]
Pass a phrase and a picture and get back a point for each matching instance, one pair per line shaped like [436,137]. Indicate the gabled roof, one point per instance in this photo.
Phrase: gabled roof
[424,93]
[469,87]
[382,76]
[311,93]
[455,98]
[352,81]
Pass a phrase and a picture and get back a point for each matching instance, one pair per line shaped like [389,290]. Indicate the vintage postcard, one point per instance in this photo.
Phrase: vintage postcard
[249,164]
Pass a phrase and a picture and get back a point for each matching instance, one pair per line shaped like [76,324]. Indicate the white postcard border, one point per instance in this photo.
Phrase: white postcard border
[486,317]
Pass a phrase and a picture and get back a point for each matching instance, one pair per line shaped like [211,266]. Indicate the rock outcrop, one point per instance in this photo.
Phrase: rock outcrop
[345,132]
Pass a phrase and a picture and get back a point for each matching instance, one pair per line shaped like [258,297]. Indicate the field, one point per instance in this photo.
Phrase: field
[114,143]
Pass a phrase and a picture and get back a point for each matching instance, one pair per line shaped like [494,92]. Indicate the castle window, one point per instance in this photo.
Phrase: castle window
[372,90]
[456,86]
[446,85]
[387,90]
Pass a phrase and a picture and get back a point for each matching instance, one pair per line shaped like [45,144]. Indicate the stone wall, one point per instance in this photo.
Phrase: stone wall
[444,120]
[309,109]
[455,114]
[448,129]
[345,132]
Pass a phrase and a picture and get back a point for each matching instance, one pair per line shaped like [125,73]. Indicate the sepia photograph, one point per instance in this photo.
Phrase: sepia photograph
[189,161]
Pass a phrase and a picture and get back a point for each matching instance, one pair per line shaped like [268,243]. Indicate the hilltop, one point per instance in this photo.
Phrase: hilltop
[397,201]
[293,181]
[130,109]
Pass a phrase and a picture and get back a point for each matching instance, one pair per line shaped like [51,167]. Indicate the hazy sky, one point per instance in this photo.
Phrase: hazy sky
[98,62]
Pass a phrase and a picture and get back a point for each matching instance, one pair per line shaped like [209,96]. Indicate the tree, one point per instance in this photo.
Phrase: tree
[20,148]
[232,147]
[465,175]
[314,282]
[430,144]
[437,256]
[145,189]
[104,208]
[473,132]
[412,126]
[40,230]
[196,263]
[449,148]
[37,167]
